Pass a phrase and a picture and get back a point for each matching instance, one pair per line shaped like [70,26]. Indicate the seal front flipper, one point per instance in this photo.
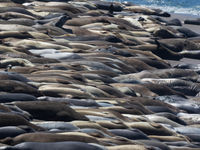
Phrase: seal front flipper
[59,22]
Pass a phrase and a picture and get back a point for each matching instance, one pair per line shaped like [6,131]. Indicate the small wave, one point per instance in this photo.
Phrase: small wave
[173,9]
[191,7]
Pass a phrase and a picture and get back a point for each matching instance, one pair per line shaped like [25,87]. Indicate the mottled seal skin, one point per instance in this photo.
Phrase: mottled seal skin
[50,111]
[53,146]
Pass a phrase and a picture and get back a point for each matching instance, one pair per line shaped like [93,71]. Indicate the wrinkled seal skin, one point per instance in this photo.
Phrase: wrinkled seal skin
[97,75]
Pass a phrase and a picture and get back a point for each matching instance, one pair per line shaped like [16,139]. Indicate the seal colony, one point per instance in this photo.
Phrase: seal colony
[97,75]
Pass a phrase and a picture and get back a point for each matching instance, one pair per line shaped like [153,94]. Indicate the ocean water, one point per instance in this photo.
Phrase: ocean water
[191,7]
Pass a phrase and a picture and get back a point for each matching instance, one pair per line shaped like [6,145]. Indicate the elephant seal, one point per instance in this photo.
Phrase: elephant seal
[189,118]
[18,87]
[179,44]
[75,102]
[147,11]
[168,138]
[154,62]
[151,128]
[16,34]
[10,119]
[155,144]
[15,27]
[133,134]
[11,15]
[194,137]
[182,143]
[127,147]
[172,117]
[13,76]
[10,97]
[94,132]
[187,130]
[50,111]
[162,89]
[16,9]
[159,109]
[15,62]
[91,125]
[50,137]
[10,131]
[193,22]
[187,32]
[108,5]
[53,145]
[165,33]
[19,21]
[172,22]
[51,125]
[162,120]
